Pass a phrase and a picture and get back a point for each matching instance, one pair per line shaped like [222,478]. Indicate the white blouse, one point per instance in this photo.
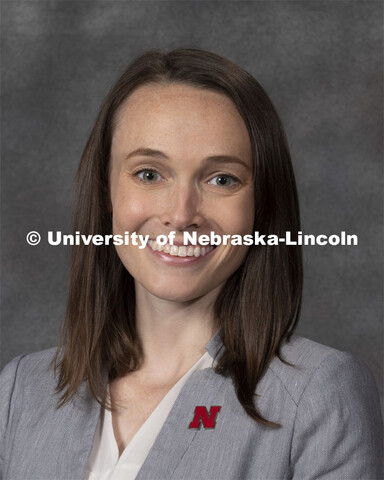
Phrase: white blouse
[104,462]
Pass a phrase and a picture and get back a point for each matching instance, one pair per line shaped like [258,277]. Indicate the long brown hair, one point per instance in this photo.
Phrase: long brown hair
[260,303]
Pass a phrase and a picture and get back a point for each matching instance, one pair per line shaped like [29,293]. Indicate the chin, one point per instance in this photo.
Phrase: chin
[176,292]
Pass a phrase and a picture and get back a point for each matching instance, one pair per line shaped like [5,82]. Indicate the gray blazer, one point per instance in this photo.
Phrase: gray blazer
[327,405]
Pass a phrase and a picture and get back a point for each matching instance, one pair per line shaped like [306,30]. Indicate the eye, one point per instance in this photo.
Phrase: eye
[223,180]
[147,175]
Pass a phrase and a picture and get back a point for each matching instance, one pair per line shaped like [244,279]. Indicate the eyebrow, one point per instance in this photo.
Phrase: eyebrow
[149,152]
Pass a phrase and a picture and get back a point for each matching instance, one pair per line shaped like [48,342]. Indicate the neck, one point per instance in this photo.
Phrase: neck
[173,334]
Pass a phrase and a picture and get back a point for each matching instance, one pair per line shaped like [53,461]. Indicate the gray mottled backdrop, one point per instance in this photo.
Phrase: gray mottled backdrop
[321,63]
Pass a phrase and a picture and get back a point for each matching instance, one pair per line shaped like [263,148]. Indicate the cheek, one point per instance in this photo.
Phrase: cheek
[129,210]
[236,216]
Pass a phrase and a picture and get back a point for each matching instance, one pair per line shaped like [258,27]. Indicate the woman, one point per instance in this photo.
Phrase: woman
[178,361]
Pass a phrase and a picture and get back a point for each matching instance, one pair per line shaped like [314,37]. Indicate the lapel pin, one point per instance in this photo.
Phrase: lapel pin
[202,417]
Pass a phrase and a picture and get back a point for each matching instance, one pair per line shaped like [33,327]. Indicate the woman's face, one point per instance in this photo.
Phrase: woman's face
[180,161]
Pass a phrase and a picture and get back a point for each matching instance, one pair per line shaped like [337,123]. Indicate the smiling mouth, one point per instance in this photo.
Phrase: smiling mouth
[181,251]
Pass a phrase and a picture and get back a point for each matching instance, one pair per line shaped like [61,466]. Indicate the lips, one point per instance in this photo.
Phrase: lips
[181,250]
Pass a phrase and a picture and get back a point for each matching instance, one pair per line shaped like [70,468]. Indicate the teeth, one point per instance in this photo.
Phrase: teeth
[181,251]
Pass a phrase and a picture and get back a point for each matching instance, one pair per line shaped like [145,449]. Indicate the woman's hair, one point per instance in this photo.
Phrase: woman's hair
[259,305]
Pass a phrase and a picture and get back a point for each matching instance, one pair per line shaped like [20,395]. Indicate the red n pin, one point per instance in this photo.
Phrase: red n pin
[202,416]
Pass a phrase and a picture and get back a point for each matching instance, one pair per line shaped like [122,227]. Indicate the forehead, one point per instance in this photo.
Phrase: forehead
[180,116]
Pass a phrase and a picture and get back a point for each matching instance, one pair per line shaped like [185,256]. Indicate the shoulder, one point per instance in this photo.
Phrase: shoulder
[28,366]
[317,367]
[337,429]
[24,381]
[28,374]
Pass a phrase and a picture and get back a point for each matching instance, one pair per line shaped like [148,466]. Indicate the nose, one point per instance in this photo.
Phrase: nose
[182,209]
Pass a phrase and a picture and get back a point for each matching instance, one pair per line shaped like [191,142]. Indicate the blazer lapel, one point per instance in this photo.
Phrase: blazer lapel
[86,414]
[45,442]
[175,437]
[215,346]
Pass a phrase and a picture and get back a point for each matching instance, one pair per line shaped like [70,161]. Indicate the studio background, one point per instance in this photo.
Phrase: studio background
[321,64]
